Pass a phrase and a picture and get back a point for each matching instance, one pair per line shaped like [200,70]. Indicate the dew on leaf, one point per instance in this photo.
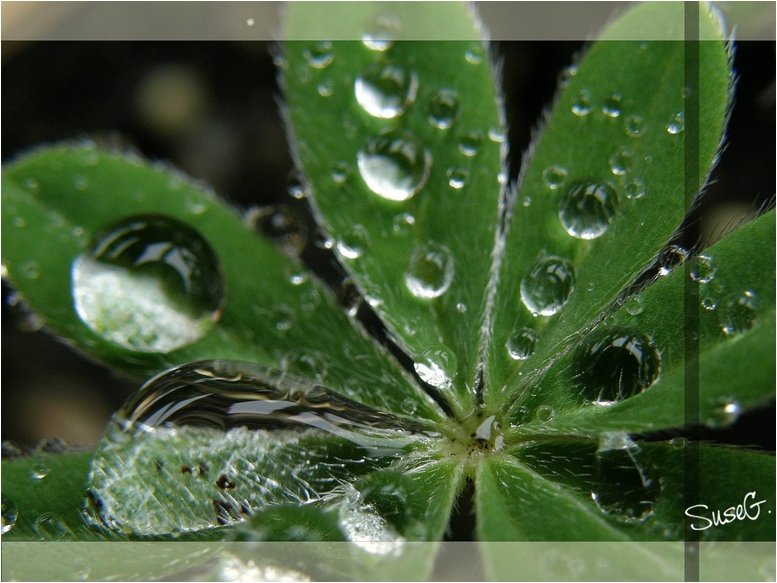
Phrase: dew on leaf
[149,283]
[621,162]
[554,176]
[282,225]
[442,109]
[326,88]
[676,123]
[341,171]
[430,270]
[709,303]
[635,126]
[470,142]
[394,165]
[703,269]
[437,366]
[408,406]
[393,496]
[474,54]
[9,516]
[522,343]
[612,105]
[354,242]
[566,75]
[633,305]
[282,317]
[384,90]
[382,33]
[669,258]
[497,135]
[461,307]
[50,526]
[547,285]
[457,177]
[309,365]
[403,224]
[613,363]
[30,269]
[40,469]
[635,188]
[581,105]
[320,55]
[738,313]
[545,413]
[587,208]
[722,411]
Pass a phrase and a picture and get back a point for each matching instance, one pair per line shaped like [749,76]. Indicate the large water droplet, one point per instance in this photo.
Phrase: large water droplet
[581,105]
[9,516]
[545,413]
[381,34]
[738,313]
[437,366]
[587,208]
[703,269]
[430,270]
[149,283]
[614,363]
[354,242]
[547,285]
[676,123]
[395,165]
[443,109]
[612,105]
[522,343]
[385,91]
[320,55]
[554,176]
[625,484]
[282,225]
[669,258]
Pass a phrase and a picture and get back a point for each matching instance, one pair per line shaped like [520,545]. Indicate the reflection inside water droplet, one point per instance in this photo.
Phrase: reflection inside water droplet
[443,109]
[320,55]
[9,515]
[149,283]
[522,343]
[430,270]
[282,225]
[738,313]
[587,208]
[394,165]
[437,366]
[547,285]
[353,243]
[385,91]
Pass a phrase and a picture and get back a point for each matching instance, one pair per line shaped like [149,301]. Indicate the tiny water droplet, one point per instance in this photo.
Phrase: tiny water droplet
[526,201]
[9,516]
[381,35]
[409,406]
[587,208]
[709,303]
[547,285]
[430,270]
[354,242]
[320,55]
[676,123]
[591,286]
[403,224]
[308,365]
[566,75]
[310,300]
[385,91]
[457,177]
[635,126]
[470,142]
[296,187]
[738,313]
[30,269]
[437,366]
[443,109]
[621,162]
[326,88]
[50,526]
[395,165]
[497,135]
[149,283]
[348,297]
[554,176]
[522,343]
[461,307]
[545,413]
[678,442]
[703,269]
[613,363]
[474,54]
[669,258]
[40,469]
[341,171]
[723,411]
[635,188]
[612,105]
[581,105]
[282,225]
[323,241]
[283,317]
[634,305]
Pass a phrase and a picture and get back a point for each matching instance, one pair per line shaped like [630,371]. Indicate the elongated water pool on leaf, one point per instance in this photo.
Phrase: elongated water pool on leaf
[208,443]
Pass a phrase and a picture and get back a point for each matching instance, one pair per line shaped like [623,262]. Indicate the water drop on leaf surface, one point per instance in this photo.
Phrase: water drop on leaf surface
[430,270]
[394,165]
[547,285]
[385,91]
[587,208]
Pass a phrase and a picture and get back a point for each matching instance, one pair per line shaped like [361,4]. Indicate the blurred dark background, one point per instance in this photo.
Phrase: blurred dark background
[211,109]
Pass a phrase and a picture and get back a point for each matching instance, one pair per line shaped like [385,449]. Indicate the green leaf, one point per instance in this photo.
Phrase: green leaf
[734,368]
[60,201]
[604,188]
[403,150]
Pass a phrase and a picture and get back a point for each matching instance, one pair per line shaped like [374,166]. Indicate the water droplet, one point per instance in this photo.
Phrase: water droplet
[635,188]
[19,222]
[430,270]
[497,135]
[30,269]
[722,411]
[283,317]
[554,176]
[566,75]
[581,105]
[587,208]
[81,183]
[437,366]
[395,165]
[348,297]
[403,224]
[323,241]
[149,283]
[443,109]
[634,305]
[522,343]
[9,516]
[409,406]
[614,363]
[50,526]
[308,365]
[591,286]
[320,55]
[470,142]
[676,123]
[703,270]
[545,413]
[457,177]
[670,257]
[296,187]
[40,469]
[282,225]
[635,126]
[625,484]
[709,303]
[385,91]
[526,201]
[621,162]
[738,313]
[547,285]
[326,88]
[393,496]
[353,242]
[612,105]
[474,54]
[461,307]
[381,35]
[341,171]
